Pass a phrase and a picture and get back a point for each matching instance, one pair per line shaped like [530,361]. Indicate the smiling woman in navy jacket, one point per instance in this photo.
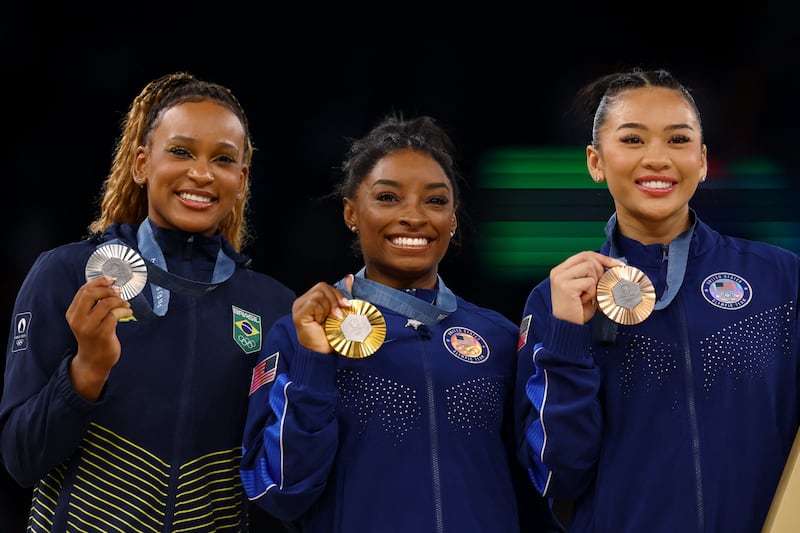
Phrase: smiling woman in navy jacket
[128,415]
[659,377]
[409,429]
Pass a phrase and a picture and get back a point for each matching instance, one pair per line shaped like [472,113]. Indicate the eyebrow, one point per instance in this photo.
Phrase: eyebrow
[639,126]
[185,139]
[393,183]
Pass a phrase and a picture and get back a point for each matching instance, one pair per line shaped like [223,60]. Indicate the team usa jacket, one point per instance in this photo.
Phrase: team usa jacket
[160,449]
[682,422]
[414,438]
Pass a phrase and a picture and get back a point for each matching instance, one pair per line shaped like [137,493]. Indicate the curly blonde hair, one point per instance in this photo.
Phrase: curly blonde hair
[121,200]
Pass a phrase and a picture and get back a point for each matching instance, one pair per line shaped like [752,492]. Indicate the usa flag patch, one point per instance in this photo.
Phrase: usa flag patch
[524,329]
[264,372]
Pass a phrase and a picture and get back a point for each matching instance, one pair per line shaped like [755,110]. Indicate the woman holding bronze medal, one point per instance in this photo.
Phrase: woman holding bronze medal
[658,378]
[385,403]
[128,414]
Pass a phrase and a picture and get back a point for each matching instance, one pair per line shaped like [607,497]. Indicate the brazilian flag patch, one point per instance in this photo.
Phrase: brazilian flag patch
[246,329]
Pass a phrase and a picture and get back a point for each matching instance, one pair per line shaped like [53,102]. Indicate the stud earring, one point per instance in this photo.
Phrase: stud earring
[598,178]
[702,179]
[354,229]
[452,233]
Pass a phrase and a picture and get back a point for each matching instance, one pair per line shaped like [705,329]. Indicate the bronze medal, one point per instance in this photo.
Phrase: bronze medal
[359,333]
[626,295]
[122,263]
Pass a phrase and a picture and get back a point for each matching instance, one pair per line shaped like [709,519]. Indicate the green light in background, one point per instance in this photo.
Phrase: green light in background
[535,168]
[542,206]
[529,249]
[785,234]
[753,173]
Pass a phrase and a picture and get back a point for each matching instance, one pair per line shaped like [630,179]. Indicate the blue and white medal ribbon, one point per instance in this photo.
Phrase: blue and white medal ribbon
[162,281]
[677,256]
[402,302]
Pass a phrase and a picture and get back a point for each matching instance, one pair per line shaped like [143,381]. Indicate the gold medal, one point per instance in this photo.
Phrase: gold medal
[121,263]
[359,333]
[626,295]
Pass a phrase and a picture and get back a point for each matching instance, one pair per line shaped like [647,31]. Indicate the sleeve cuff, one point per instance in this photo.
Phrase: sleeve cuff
[313,369]
[71,397]
[571,341]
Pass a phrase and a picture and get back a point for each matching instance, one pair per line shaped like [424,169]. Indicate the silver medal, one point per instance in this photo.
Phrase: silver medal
[122,263]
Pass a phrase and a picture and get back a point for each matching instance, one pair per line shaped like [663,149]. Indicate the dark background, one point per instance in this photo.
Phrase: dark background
[308,84]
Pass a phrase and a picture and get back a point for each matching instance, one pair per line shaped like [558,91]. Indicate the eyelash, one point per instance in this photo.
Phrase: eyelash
[676,139]
[391,197]
[177,150]
[183,152]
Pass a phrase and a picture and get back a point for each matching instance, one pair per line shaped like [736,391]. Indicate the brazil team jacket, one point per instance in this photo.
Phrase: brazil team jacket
[684,421]
[414,438]
[160,449]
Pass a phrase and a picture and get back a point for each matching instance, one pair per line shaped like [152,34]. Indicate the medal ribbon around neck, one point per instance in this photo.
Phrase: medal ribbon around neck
[400,301]
[162,281]
[677,258]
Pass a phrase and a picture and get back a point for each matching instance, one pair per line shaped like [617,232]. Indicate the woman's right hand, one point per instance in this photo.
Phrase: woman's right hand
[92,316]
[310,311]
[573,285]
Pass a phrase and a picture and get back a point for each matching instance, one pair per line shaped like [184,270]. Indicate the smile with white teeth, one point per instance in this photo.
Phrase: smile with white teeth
[408,241]
[195,198]
[656,184]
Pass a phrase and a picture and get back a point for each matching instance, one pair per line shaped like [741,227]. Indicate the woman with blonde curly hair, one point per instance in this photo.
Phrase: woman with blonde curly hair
[131,351]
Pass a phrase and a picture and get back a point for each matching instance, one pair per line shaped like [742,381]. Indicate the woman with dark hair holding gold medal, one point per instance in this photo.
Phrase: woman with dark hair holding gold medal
[658,378]
[385,400]
[131,352]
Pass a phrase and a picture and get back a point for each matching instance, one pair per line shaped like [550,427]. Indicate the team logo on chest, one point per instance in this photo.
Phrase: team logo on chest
[466,345]
[246,330]
[727,291]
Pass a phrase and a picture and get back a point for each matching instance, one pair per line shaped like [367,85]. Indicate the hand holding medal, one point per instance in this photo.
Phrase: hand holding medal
[328,319]
[625,295]
[124,265]
[359,333]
